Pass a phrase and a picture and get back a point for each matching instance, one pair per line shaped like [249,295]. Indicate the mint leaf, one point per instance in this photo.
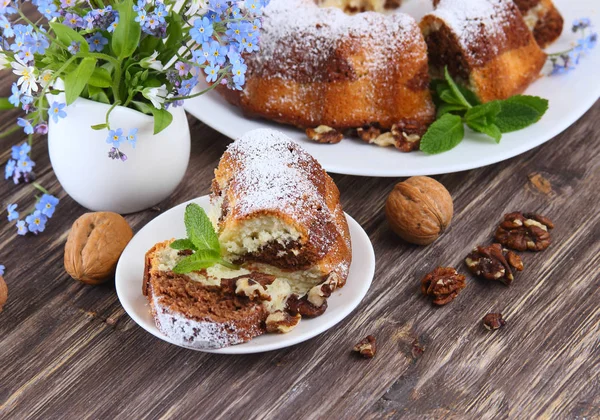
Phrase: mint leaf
[183,244]
[491,130]
[484,113]
[459,97]
[519,112]
[199,260]
[450,108]
[200,230]
[444,134]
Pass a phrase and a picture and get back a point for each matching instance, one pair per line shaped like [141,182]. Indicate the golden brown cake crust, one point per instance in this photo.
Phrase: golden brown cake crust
[266,173]
[323,67]
[485,44]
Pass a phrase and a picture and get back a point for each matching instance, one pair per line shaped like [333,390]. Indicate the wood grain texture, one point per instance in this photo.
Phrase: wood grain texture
[68,350]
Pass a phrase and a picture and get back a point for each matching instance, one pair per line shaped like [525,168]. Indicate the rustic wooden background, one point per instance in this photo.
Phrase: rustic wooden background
[68,350]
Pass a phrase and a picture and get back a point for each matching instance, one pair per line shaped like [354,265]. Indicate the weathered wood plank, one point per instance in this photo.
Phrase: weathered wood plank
[69,350]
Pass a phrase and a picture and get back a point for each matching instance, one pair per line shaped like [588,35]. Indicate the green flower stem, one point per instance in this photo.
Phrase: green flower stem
[113,106]
[117,82]
[42,189]
[54,77]
[202,92]
[9,131]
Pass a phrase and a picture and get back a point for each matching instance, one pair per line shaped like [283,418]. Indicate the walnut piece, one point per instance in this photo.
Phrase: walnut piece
[3,292]
[301,305]
[94,245]
[443,284]
[319,293]
[324,134]
[493,321]
[494,263]
[419,210]
[280,322]
[523,232]
[396,137]
[367,347]
[246,286]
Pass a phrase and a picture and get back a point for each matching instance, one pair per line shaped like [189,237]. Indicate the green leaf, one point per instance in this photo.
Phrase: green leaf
[455,90]
[100,78]
[162,119]
[444,134]
[76,80]
[200,230]
[449,97]
[5,105]
[469,96]
[183,244]
[99,127]
[484,113]
[149,44]
[101,97]
[450,108]
[199,260]
[175,31]
[491,130]
[519,112]
[67,35]
[126,36]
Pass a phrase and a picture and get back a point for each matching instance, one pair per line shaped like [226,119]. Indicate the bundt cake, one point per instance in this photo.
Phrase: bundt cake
[485,45]
[278,217]
[359,6]
[541,17]
[322,67]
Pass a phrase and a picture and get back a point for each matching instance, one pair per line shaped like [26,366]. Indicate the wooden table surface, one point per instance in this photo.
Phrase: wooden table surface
[68,350]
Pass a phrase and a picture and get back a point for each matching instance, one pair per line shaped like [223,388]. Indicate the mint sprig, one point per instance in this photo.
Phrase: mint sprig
[458,106]
[202,240]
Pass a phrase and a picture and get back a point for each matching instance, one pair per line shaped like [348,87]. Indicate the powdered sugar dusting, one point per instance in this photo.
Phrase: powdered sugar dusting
[274,175]
[299,39]
[195,334]
[278,177]
[477,22]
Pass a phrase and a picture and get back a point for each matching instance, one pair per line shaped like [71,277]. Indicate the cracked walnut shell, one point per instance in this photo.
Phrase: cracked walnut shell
[94,245]
[419,210]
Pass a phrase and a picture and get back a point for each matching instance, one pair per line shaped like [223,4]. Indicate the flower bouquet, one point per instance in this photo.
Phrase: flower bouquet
[146,56]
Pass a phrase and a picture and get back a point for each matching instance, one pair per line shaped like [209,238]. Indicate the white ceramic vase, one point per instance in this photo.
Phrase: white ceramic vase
[152,171]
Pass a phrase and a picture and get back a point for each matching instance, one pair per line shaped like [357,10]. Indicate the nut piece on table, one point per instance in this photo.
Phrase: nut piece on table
[494,263]
[280,322]
[367,347]
[3,292]
[493,321]
[301,305]
[419,210]
[94,245]
[443,284]
[523,232]
[324,134]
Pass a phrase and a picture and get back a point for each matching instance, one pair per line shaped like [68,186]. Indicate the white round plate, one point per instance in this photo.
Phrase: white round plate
[570,96]
[169,225]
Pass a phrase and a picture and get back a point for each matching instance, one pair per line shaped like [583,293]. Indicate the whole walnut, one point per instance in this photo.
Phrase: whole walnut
[3,293]
[419,210]
[94,245]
